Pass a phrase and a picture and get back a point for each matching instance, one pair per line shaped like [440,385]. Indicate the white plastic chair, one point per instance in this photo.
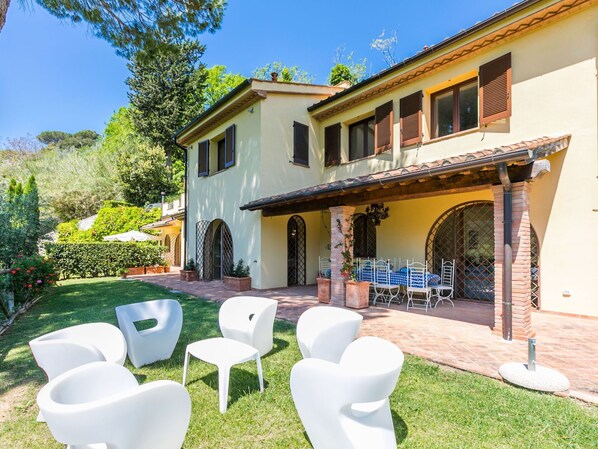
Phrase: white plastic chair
[345,405]
[154,344]
[445,289]
[325,332]
[65,349]
[417,284]
[101,405]
[382,286]
[250,320]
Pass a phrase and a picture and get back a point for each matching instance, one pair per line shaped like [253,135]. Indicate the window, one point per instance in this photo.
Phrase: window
[411,119]
[455,109]
[361,139]
[221,154]
[300,143]
[332,145]
[203,161]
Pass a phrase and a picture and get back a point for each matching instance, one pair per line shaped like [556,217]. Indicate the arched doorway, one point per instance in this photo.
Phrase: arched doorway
[296,251]
[465,233]
[364,235]
[177,251]
[222,250]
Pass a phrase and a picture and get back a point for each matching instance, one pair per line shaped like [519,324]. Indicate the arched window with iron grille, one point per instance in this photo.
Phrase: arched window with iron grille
[364,237]
[296,251]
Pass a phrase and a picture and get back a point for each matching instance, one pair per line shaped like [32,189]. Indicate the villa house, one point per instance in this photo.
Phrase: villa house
[493,129]
[170,228]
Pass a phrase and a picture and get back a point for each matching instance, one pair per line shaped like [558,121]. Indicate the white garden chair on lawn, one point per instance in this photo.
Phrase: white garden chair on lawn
[325,332]
[345,405]
[382,286]
[158,342]
[250,320]
[68,348]
[101,405]
[417,284]
[445,289]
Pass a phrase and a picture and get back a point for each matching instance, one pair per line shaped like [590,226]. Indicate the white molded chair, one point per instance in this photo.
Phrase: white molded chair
[445,289]
[250,320]
[68,348]
[417,284]
[101,405]
[345,405]
[154,344]
[325,332]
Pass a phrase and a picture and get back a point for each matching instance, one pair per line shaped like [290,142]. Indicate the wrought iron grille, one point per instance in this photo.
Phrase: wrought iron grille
[535,268]
[203,249]
[177,251]
[227,249]
[465,233]
[296,251]
[364,233]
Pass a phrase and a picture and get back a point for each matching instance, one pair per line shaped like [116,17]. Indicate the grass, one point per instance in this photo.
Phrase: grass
[432,407]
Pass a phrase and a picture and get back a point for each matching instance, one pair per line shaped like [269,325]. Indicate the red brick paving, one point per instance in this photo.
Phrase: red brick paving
[459,337]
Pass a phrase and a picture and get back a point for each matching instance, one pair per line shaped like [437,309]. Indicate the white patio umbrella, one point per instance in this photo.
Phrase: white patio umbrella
[131,236]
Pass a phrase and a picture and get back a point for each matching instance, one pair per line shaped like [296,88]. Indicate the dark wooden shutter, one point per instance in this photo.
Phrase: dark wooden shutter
[203,158]
[411,119]
[383,128]
[332,145]
[229,146]
[495,90]
[300,143]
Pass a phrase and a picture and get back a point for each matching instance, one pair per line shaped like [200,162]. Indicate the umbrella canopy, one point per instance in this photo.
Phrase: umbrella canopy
[131,236]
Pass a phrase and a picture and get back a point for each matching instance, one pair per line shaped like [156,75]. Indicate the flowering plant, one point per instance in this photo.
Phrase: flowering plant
[29,276]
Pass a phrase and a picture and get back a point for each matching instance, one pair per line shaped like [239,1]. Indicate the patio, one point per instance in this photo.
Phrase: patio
[460,338]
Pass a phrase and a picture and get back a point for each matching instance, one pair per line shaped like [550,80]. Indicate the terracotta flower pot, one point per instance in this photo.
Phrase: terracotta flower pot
[357,294]
[189,275]
[324,290]
[238,284]
[135,271]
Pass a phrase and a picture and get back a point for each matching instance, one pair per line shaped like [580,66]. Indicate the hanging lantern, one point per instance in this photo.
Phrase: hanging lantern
[377,212]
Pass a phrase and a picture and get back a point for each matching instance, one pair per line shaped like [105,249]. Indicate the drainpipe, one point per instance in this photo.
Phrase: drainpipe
[184,261]
[507,280]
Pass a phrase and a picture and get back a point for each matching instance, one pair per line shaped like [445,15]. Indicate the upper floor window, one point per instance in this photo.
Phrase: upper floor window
[361,139]
[455,109]
[221,154]
[300,144]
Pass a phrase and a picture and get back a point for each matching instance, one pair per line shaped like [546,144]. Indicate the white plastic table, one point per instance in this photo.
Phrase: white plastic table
[224,353]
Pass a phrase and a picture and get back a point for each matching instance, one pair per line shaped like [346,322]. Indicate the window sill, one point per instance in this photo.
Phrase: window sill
[298,164]
[451,136]
[371,156]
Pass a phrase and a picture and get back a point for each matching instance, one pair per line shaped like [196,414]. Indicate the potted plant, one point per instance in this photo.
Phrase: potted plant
[324,287]
[189,272]
[239,279]
[122,272]
[357,293]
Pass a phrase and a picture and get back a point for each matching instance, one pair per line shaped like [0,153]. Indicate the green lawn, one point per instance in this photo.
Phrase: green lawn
[431,407]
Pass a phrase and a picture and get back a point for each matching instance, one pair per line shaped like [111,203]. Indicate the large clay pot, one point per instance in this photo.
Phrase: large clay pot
[324,290]
[238,284]
[357,294]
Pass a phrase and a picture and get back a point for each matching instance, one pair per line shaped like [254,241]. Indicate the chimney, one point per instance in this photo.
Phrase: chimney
[274,76]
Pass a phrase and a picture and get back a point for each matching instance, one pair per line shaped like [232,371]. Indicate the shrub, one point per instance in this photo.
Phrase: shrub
[102,259]
[29,276]
[240,270]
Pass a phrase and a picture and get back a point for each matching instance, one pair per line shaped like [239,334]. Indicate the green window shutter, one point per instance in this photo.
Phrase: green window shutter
[300,143]
[332,145]
[229,142]
[203,158]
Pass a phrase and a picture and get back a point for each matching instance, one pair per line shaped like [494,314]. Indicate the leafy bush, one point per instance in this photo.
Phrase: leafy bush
[240,270]
[102,259]
[29,276]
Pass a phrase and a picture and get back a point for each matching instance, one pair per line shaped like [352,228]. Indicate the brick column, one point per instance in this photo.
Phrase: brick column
[337,282]
[521,286]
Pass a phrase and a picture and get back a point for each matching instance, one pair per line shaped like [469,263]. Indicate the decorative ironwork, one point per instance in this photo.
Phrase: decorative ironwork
[177,251]
[535,268]
[296,251]
[364,235]
[221,248]
[465,233]
[203,249]
[377,212]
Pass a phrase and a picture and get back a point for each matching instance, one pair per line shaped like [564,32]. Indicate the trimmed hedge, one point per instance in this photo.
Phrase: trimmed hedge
[102,258]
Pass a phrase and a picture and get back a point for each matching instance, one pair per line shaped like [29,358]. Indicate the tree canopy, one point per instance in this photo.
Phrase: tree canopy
[60,139]
[218,83]
[287,74]
[130,26]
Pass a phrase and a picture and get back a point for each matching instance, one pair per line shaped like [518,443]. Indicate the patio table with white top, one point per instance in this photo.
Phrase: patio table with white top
[224,353]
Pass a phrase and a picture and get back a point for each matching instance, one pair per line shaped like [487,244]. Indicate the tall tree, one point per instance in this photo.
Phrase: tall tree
[219,82]
[165,93]
[287,74]
[133,25]
[346,69]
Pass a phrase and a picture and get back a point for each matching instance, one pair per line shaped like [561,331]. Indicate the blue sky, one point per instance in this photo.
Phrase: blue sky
[57,76]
